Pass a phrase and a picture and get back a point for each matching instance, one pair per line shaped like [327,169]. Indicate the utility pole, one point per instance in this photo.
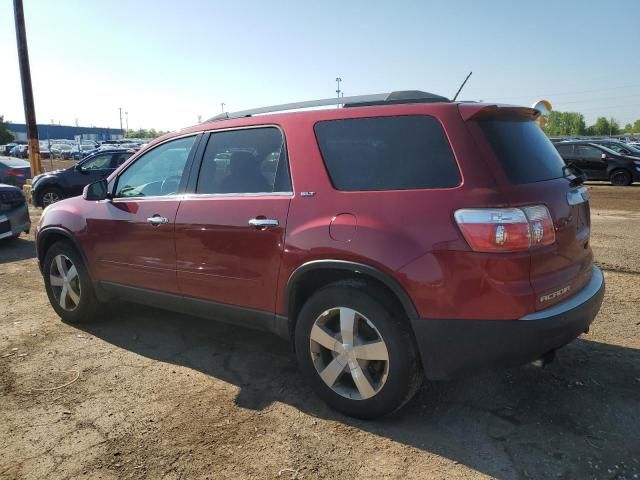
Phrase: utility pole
[222,104]
[120,110]
[27,91]
[126,116]
[338,91]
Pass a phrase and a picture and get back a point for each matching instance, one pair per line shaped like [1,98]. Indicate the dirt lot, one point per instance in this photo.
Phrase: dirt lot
[160,395]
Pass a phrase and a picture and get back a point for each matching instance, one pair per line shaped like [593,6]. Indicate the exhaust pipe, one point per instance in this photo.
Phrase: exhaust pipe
[545,359]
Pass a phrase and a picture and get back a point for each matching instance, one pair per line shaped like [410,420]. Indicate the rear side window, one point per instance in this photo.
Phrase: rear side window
[387,153]
[245,161]
[565,149]
[525,152]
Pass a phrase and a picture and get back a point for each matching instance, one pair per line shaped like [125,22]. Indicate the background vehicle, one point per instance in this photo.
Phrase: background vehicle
[619,147]
[14,212]
[14,171]
[53,186]
[19,151]
[81,151]
[357,239]
[600,163]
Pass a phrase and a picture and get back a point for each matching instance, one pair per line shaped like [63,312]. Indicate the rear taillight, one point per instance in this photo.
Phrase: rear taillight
[506,229]
[15,173]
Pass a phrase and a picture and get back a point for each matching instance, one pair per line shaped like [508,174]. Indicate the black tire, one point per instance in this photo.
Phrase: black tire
[49,192]
[88,307]
[404,369]
[621,178]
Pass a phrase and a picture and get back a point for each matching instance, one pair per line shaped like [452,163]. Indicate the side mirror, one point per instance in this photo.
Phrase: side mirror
[603,156]
[96,191]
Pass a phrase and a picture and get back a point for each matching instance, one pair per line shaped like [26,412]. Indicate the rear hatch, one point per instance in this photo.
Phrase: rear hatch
[530,171]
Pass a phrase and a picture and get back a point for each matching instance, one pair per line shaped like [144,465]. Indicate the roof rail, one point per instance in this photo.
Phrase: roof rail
[400,97]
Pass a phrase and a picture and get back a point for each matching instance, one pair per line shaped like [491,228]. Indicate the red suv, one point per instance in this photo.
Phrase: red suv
[400,236]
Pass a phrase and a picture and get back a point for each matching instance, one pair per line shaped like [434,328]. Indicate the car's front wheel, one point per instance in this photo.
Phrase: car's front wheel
[68,284]
[49,196]
[357,349]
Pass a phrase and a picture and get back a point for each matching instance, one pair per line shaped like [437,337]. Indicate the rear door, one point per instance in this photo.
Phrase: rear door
[230,230]
[532,174]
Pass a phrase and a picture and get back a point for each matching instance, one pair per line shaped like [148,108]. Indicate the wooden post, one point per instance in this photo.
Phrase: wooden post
[27,91]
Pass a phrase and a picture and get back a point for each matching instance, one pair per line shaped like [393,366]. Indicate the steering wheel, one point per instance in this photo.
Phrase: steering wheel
[170,185]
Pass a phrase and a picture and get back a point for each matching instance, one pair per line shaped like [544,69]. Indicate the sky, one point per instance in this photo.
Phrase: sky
[168,62]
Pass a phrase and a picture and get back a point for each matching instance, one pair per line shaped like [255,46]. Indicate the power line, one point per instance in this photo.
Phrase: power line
[570,93]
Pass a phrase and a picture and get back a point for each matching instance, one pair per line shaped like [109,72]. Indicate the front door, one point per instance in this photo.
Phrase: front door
[594,166]
[132,235]
[230,231]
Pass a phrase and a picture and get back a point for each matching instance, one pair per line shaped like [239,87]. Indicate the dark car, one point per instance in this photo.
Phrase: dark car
[14,212]
[14,171]
[53,186]
[401,236]
[619,147]
[600,163]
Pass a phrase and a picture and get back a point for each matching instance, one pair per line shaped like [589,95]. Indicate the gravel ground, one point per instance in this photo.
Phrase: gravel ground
[151,394]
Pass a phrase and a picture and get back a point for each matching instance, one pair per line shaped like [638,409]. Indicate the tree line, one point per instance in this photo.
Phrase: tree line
[572,123]
[142,133]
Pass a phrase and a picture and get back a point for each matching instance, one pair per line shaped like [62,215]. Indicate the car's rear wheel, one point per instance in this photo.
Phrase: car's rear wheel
[49,196]
[68,285]
[621,178]
[357,350]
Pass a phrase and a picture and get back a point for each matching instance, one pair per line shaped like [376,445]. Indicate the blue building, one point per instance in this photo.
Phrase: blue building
[58,132]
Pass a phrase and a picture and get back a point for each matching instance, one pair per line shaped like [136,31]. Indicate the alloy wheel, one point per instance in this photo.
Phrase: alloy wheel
[50,197]
[349,353]
[65,282]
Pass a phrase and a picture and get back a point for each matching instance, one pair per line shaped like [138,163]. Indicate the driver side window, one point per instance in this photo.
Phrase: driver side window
[100,162]
[157,172]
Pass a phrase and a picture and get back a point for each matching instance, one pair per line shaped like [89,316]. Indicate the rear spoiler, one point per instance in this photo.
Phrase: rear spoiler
[469,111]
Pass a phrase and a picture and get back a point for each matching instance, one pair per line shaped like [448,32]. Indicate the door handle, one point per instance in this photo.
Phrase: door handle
[263,223]
[157,220]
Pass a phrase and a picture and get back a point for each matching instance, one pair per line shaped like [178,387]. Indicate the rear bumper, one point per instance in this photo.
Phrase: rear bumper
[452,348]
[14,222]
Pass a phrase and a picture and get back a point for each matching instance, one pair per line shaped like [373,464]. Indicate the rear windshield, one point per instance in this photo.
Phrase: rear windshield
[14,162]
[524,151]
[387,153]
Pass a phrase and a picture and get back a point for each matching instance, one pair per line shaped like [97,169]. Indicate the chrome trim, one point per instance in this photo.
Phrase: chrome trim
[196,196]
[578,196]
[263,222]
[149,197]
[583,296]
[157,220]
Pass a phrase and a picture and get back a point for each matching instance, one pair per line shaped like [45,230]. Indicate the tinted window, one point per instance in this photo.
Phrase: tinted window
[588,151]
[616,147]
[565,150]
[244,161]
[99,162]
[158,172]
[525,152]
[387,153]
[119,158]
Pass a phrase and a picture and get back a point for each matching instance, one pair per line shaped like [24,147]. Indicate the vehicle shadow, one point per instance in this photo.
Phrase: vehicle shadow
[16,249]
[575,418]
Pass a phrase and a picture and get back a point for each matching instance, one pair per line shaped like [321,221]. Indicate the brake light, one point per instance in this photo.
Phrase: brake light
[15,173]
[506,229]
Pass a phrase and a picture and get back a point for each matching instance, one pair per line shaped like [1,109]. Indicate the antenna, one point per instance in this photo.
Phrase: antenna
[461,87]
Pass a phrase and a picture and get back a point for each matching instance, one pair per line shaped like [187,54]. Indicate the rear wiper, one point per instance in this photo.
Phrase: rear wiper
[579,177]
